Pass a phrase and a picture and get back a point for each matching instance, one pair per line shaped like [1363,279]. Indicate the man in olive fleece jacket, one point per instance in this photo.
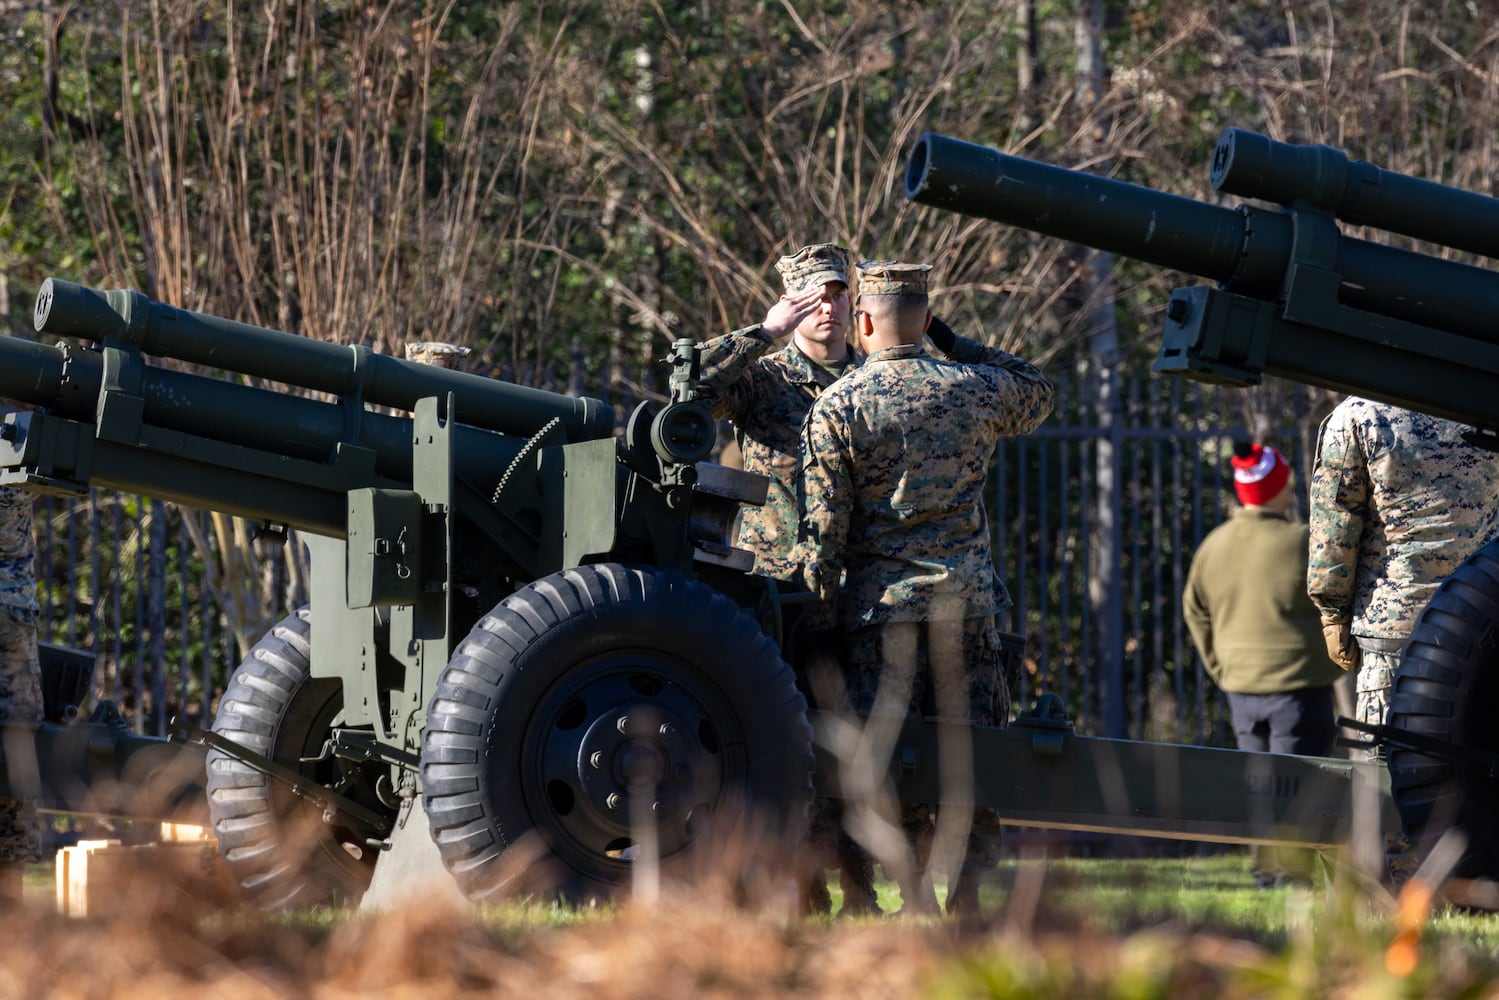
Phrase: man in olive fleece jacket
[1257,631]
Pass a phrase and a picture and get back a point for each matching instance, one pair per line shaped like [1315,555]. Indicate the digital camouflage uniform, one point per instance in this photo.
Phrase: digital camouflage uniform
[767,395]
[436,353]
[20,675]
[1398,501]
[895,458]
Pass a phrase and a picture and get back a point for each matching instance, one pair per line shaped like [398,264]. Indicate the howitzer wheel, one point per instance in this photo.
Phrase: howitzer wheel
[1447,687]
[275,843]
[599,710]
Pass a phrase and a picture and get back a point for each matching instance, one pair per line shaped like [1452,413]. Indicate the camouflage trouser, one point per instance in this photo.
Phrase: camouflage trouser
[1378,660]
[829,844]
[968,681]
[951,670]
[20,701]
[1376,676]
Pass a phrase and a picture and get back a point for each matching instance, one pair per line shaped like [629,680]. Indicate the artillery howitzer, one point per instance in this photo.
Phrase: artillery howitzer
[589,575]
[1296,298]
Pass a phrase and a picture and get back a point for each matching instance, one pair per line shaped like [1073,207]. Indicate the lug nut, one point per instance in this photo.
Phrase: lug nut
[668,730]
[596,759]
[612,800]
[623,723]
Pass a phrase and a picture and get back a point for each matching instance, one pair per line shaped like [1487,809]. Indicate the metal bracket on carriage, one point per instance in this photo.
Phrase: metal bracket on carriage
[329,801]
[1387,736]
[351,744]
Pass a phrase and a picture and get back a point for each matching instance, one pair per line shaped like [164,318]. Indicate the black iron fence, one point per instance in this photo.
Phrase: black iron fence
[1096,520]
[1095,516]
[125,577]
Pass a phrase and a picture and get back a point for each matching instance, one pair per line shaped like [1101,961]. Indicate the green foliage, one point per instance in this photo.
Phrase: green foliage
[626,174]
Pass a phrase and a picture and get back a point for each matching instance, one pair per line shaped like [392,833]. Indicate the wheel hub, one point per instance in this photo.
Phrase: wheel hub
[633,760]
[627,750]
[641,765]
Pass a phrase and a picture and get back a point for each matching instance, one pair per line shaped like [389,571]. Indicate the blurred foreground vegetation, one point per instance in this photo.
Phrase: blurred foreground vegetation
[1192,927]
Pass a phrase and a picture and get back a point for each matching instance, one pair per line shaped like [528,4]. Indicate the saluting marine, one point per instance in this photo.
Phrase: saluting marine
[910,527]
[767,394]
[895,457]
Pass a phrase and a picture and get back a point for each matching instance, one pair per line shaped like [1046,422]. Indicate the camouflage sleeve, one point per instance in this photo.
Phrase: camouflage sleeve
[726,361]
[17,550]
[1199,620]
[1032,393]
[826,502]
[952,345]
[1339,509]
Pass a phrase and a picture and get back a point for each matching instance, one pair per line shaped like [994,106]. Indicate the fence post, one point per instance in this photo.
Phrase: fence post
[156,616]
[1106,581]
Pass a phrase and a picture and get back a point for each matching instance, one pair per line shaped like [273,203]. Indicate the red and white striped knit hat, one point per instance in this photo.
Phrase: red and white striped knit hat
[1259,473]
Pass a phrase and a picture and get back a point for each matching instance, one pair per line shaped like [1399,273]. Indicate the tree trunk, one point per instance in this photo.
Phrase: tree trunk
[1105,579]
[1027,67]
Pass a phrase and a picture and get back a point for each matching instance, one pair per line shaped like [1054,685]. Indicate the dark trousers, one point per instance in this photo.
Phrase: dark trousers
[1299,722]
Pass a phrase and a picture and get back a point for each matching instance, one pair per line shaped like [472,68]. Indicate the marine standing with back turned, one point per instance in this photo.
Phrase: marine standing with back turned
[896,455]
[1398,501]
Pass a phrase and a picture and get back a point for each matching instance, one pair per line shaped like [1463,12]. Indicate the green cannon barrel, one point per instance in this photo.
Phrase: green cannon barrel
[1246,249]
[1125,219]
[37,374]
[66,381]
[66,309]
[1251,165]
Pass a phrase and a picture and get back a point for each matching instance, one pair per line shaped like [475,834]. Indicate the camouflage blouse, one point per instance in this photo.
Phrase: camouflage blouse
[767,396]
[17,550]
[895,457]
[1398,500]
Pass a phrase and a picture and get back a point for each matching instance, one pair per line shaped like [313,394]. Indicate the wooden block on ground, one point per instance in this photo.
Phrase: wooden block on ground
[105,878]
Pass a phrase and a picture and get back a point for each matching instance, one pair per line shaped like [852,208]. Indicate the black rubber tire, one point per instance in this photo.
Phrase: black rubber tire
[275,843]
[666,685]
[1448,687]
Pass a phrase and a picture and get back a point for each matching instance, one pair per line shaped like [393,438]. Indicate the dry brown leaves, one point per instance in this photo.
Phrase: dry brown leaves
[158,936]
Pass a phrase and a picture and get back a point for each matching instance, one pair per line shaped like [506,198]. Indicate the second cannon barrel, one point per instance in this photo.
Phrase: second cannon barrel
[1248,250]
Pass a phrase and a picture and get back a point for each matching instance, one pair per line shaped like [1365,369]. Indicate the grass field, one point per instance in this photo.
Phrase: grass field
[1060,928]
